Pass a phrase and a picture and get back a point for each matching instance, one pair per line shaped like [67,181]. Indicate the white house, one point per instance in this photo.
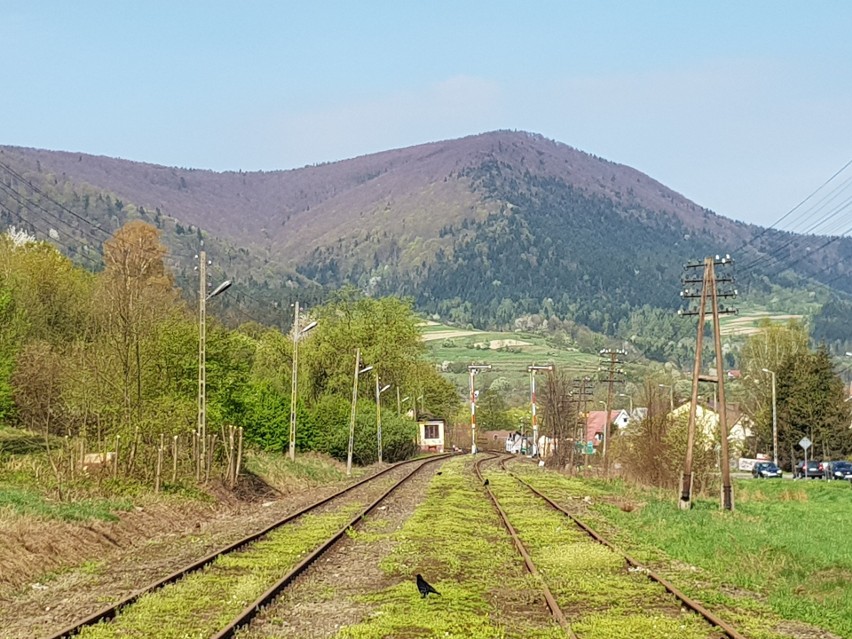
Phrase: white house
[432,435]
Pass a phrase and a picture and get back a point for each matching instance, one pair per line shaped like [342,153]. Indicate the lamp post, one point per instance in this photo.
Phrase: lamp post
[294,390]
[671,395]
[358,371]
[203,296]
[532,370]
[629,397]
[379,392]
[774,419]
[472,371]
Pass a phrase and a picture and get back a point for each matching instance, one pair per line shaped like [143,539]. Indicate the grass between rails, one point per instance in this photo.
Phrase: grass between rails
[456,541]
[599,596]
[783,554]
[204,602]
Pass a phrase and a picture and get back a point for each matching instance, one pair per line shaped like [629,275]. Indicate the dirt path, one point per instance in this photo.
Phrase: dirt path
[325,597]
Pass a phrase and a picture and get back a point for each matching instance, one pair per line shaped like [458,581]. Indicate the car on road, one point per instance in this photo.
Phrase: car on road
[837,470]
[765,470]
[813,470]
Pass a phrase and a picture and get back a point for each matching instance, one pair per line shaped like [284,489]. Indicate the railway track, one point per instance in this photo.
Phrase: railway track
[228,629]
[681,599]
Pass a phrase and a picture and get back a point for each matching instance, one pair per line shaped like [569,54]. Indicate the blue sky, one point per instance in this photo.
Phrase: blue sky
[744,107]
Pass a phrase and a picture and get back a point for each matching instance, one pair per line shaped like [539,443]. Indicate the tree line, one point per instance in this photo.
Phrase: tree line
[114,354]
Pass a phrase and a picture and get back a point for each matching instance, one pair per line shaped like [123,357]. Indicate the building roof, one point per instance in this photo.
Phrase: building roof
[595,420]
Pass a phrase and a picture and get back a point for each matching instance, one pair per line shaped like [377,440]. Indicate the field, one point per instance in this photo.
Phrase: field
[509,354]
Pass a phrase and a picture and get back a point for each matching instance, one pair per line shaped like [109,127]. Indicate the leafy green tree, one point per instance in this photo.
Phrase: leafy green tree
[811,402]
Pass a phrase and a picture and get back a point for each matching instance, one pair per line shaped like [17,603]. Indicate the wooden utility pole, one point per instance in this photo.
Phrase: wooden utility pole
[709,283]
[613,376]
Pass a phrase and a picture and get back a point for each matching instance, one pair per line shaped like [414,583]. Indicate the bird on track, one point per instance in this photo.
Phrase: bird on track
[424,587]
[485,483]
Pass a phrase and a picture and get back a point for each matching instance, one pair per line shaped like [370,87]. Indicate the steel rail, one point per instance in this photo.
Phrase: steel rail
[250,611]
[555,610]
[105,614]
[685,599]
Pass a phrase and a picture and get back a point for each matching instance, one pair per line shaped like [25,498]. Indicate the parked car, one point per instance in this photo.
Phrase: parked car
[813,469]
[837,470]
[764,470]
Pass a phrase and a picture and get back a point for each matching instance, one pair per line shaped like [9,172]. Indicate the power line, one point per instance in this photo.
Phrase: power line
[793,210]
[32,186]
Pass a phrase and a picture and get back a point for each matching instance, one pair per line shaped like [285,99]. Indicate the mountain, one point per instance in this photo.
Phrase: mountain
[479,230]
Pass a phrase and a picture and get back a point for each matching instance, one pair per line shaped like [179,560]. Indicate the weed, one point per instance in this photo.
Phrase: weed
[456,541]
[779,555]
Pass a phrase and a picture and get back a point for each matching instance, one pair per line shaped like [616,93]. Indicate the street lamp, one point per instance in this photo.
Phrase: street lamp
[629,397]
[671,395]
[358,372]
[203,296]
[774,419]
[294,390]
[472,371]
[379,392]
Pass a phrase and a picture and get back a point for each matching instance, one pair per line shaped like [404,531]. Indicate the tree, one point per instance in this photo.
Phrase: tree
[811,404]
[134,295]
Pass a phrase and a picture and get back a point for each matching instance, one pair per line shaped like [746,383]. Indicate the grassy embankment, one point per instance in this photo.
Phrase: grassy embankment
[783,554]
[28,486]
[456,541]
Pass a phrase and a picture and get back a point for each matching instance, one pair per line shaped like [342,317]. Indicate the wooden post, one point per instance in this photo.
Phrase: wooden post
[174,458]
[239,453]
[231,460]
[115,461]
[159,465]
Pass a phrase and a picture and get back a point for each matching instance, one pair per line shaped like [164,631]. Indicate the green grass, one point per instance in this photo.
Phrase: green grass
[309,469]
[23,501]
[204,602]
[601,599]
[782,554]
[456,541]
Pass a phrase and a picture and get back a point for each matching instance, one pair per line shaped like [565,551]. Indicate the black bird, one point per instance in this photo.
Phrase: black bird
[485,483]
[439,472]
[424,587]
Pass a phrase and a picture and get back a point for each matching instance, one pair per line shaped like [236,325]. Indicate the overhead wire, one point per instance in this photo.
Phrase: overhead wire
[792,210]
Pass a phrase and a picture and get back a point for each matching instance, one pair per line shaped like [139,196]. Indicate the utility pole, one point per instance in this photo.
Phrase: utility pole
[472,371]
[709,287]
[532,370]
[358,371]
[379,392]
[294,384]
[583,392]
[614,375]
[294,388]
[203,296]
[202,359]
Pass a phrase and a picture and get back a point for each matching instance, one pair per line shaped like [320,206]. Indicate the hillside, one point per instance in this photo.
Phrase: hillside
[481,230]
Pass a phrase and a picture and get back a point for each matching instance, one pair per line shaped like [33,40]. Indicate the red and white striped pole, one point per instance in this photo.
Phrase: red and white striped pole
[472,370]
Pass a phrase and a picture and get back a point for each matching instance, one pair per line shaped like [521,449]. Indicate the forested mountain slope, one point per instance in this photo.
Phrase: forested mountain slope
[480,230]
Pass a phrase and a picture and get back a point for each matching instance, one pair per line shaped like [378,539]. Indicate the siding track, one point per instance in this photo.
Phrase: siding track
[112,611]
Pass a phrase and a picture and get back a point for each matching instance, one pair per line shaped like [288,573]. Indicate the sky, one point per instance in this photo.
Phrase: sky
[745,107]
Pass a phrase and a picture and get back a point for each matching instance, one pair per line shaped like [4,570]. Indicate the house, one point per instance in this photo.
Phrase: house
[431,438]
[518,444]
[707,423]
[596,420]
